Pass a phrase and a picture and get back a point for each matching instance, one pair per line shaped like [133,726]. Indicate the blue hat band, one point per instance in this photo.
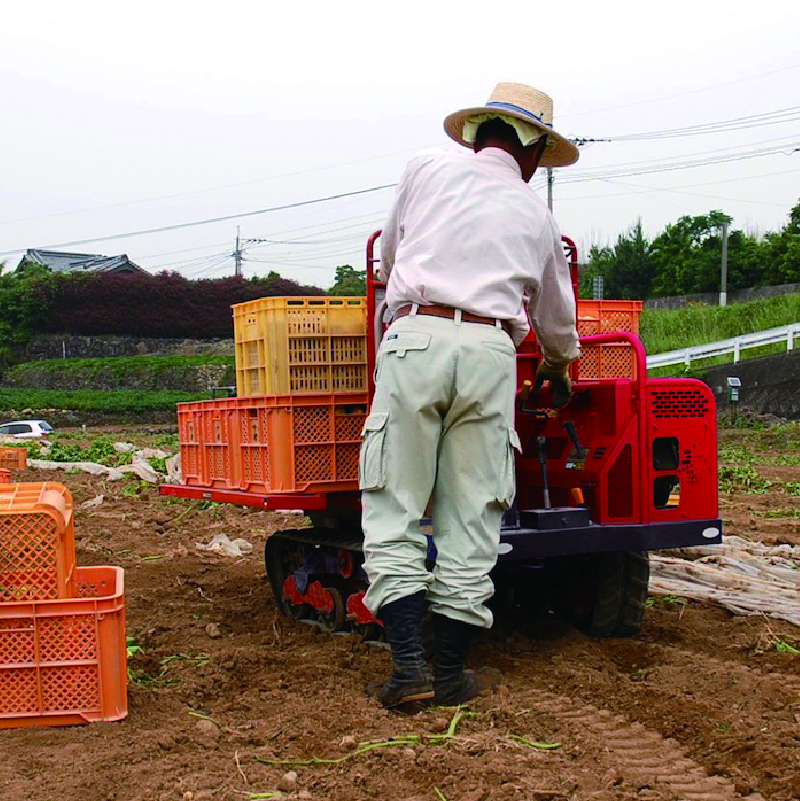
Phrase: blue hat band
[520,110]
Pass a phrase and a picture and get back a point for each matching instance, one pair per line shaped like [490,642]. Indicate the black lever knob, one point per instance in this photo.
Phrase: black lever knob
[572,433]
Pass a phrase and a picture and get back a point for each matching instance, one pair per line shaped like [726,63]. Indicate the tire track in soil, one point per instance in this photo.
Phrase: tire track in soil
[642,757]
[784,681]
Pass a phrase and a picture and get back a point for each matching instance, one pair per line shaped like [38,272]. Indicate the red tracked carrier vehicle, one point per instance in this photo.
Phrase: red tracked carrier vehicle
[628,466]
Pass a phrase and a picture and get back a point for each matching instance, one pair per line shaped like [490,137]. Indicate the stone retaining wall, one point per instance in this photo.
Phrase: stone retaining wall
[60,346]
[187,378]
[770,384]
[712,298]
[164,419]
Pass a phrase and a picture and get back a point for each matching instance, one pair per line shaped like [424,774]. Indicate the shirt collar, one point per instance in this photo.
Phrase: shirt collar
[498,154]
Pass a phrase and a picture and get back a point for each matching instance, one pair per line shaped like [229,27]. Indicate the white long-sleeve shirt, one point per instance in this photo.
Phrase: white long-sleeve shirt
[466,231]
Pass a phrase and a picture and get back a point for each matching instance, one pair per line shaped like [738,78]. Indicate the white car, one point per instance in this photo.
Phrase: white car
[26,429]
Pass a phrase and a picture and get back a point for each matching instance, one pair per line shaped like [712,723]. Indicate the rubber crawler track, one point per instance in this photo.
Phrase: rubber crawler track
[641,756]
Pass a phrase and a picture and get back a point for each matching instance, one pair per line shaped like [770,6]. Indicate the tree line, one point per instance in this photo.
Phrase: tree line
[685,259]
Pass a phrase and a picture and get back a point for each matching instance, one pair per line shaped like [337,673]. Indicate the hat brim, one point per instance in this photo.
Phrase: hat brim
[560,154]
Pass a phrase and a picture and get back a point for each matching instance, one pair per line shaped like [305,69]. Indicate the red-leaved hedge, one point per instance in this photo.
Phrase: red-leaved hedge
[140,304]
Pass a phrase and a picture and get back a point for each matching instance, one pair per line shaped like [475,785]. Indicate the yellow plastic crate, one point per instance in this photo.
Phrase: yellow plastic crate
[300,345]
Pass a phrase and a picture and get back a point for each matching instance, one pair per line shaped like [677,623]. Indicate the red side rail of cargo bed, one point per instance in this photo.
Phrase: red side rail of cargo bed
[276,502]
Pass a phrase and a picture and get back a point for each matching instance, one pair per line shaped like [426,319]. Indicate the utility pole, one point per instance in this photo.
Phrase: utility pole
[237,255]
[723,294]
[550,181]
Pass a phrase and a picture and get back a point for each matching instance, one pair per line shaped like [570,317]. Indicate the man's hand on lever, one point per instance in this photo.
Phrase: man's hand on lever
[558,377]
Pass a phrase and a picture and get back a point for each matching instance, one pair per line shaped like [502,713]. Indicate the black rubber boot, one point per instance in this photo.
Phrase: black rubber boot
[453,685]
[410,680]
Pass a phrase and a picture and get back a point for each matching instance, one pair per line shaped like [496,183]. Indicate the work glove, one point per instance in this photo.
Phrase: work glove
[558,377]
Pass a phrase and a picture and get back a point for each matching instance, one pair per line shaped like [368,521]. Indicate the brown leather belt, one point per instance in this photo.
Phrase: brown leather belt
[449,312]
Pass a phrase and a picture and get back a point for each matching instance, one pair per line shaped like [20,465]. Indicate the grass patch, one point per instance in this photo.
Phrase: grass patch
[742,478]
[786,459]
[778,514]
[671,329]
[736,454]
[120,364]
[116,401]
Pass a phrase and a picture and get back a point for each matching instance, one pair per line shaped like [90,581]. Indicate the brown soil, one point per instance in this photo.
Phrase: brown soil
[700,706]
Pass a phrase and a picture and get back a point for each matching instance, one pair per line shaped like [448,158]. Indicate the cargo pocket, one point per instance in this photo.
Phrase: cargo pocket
[506,484]
[400,342]
[371,458]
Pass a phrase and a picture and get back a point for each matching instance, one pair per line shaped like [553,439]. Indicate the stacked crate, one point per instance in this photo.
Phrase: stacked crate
[13,459]
[301,377]
[609,360]
[62,627]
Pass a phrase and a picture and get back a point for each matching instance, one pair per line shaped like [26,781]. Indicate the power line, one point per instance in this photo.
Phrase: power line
[691,186]
[644,190]
[661,98]
[300,266]
[208,221]
[645,168]
[195,261]
[305,240]
[277,233]
[182,250]
[612,171]
[777,117]
[190,193]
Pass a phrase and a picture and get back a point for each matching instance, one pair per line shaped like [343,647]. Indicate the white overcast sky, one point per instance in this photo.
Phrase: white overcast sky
[116,118]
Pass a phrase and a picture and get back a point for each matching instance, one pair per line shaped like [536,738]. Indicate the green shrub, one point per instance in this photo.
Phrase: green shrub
[115,401]
[671,329]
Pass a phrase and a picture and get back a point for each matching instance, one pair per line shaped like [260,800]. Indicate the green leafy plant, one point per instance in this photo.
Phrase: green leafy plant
[133,647]
[672,599]
[736,454]
[742,478]
[159,465]
[787,459]
[778,514]
[101,451]
[167,441]
[136,488]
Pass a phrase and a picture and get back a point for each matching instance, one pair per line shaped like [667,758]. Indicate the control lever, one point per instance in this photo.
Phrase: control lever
[541,455]
[572,433]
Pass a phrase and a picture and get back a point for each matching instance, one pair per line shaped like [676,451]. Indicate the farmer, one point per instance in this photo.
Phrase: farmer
[466,248]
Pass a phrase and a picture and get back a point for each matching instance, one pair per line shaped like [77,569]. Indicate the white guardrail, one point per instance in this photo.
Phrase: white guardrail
[736,345]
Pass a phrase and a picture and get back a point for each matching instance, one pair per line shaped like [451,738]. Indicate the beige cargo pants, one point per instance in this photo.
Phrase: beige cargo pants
[441,424]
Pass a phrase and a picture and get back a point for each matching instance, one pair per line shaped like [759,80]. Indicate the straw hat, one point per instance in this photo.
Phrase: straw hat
[524,103]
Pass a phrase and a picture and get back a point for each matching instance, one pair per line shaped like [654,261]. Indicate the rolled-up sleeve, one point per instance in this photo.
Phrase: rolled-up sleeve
[552,308]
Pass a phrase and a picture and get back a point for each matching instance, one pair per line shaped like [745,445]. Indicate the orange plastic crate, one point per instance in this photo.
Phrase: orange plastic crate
[607,361]
[37,542]
[300,345]
[65,661]
[5,476]
[614,360]
[273,444]
[14,458]
[608,316]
